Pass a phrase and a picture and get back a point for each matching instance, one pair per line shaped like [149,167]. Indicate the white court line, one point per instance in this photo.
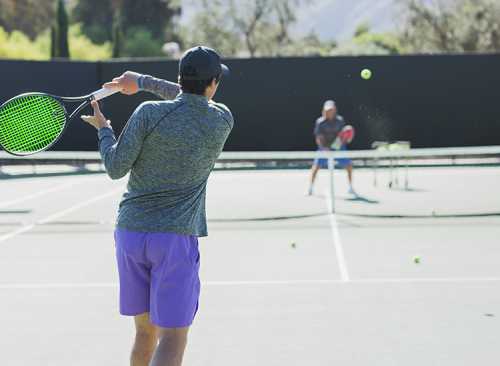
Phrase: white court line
[94,285]
[59,187]
[354,281]
[42,286]
[17,232]
[427,280]
[57,215]
[38,194]
[344,273]
[78,206]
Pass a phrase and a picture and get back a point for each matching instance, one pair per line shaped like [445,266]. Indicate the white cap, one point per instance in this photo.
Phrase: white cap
[329,104]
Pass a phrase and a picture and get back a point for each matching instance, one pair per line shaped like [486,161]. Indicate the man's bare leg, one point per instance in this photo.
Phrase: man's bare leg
[314,172]
[146,340]
[349,177]
[170,350]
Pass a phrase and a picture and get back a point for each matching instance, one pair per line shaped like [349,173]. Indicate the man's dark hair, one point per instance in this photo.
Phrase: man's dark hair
[196,86]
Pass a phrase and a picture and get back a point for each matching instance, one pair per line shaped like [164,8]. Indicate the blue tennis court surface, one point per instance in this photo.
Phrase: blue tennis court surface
[284,281]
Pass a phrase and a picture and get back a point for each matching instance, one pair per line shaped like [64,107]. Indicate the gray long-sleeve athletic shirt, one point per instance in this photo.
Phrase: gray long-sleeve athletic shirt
[169,148]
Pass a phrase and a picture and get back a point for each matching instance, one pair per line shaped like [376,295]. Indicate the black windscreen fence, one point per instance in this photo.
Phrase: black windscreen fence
[431,101]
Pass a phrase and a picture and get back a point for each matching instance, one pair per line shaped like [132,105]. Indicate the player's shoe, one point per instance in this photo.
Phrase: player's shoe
[309,191]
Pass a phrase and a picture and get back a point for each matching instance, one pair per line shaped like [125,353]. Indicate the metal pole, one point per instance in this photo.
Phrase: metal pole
[397,170]
[331,168]
[391,179]
[406,174]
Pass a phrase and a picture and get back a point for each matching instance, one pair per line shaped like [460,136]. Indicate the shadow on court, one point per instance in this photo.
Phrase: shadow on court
[359,198]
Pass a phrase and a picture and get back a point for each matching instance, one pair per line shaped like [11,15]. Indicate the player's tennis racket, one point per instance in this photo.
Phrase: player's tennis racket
[345,136]
[33,122]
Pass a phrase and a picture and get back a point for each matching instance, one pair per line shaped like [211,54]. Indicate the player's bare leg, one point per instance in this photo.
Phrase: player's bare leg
[314,172]
[170,350]
[349,170]
[146,340]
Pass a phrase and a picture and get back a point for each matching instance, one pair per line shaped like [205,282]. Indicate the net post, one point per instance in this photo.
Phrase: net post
[407,187]
[391,172]
[331,169]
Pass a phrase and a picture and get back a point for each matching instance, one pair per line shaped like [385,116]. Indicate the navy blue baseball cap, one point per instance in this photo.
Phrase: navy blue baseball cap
[201,63]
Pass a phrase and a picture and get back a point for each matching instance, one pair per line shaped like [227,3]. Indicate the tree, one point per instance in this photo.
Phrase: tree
[310,45]
[251,22]
[96,17]
[61,34]
[457,26]
[16,45]
[250,28]
[141,43]
[362,29]
[365,42]
[157,16]
[28,16]
[264,24]
[212,29]
[117,35]
[136,28]
[53,41]
[82,48]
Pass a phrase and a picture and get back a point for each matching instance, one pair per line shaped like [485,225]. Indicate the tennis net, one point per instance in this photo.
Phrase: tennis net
[388,183]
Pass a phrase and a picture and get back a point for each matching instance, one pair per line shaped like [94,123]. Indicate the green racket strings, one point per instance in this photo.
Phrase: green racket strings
[30,123]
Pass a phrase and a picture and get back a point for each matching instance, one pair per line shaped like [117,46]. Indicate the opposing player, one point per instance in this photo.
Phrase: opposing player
[327,131]
[169,148]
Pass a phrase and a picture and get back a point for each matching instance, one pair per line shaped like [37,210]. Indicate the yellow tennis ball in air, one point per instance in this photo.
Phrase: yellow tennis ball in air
[366,74]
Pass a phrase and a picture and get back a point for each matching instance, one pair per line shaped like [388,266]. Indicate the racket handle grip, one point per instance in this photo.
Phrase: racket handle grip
[337,144]
[104,93]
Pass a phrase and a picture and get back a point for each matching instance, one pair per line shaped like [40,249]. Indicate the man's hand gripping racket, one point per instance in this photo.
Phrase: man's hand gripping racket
[127,83]
[344,137]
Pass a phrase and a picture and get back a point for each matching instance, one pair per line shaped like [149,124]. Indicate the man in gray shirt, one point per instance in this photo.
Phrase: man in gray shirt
[326,130]
[169,148]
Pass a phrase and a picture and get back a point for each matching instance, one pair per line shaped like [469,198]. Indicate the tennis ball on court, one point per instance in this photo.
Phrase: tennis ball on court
[416,259]
[366,74]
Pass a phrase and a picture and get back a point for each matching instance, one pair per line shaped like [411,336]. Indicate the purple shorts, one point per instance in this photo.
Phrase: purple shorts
[158,275]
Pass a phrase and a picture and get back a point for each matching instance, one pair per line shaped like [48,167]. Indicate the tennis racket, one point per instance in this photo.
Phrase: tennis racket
[33,122]
[345,136]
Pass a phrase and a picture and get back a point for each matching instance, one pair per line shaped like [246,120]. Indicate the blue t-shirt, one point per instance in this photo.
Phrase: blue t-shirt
[329,129]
